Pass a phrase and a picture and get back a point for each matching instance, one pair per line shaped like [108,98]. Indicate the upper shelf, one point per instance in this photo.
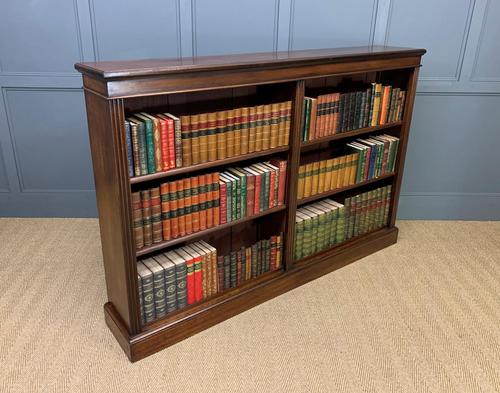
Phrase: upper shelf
[135,68]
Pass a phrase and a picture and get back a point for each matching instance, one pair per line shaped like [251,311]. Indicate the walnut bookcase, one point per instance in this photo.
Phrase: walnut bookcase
[114,89]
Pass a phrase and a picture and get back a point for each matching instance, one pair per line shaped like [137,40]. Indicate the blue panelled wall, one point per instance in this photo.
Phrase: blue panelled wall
[453,164]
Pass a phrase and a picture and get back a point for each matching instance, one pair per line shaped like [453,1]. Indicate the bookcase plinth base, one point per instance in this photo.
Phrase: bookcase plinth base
[161,336]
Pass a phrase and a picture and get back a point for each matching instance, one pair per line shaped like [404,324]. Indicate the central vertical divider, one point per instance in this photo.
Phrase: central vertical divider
[293,170]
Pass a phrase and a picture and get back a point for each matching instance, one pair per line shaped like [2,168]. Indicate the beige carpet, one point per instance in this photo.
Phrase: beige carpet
[420,316]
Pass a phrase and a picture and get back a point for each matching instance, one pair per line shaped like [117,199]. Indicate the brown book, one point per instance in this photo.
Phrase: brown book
[186,140]
[274,130]
[315,178]
[221,134]
[312,120]
[203,136]
[288,121]
[202,196]
[266,127]
[252,127]
[165,211]
[195,203]
[384,106]
[188,205]
[336,114]
[212,136]
[195,139]
[259,128]
[301,182]
[308,180]
[322,176]
[237,131]
[230,133]
[146,217]
[180,208]
[137,219]
[209,200]
[282,124]
[215,196]
[156,214]
[174,220]
[244,129]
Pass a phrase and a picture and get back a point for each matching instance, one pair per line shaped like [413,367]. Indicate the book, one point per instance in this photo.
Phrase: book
[156,141]
[150,146]
[203,137]
[175,136]
[186,140]
[147,291]
[170,282]
[137,220]
[139,146]
[156,221]
[128,142]
[146,217]
[160,301]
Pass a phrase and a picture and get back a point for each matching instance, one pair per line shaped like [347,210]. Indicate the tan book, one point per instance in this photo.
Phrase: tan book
[341,177]
[281,123]
[230,133]
[212,136]
[328,174]
[186,140]
[308,180]
[203,137]
[259,128]
[221,134]
[245,113]
[252,127]
[274,133]
[322,176]
[237,131]
[354,168]
[376,104]
[335,173]
[195,139]
[301,182]
[288,121]
[266,127]
[315,178]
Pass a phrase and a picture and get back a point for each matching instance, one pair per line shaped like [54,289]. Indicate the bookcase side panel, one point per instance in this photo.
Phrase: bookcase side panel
[293,165]
[403,144]
[105,120]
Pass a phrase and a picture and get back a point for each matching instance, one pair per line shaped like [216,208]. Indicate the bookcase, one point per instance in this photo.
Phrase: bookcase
[116,89]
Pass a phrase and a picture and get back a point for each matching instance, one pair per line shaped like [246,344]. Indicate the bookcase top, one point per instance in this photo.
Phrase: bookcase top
[151,67]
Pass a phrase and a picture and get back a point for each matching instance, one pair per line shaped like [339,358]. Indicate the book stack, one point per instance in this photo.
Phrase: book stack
[190,274]
[158,143]
[370,158]
[367,211]
[318,226]
[250,262]
[181,207]
[175,279]
[153,142]
[330,114]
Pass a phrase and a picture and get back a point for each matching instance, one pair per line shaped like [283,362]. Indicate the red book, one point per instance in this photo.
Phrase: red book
[198,272]
[164,143]
[222,202]
[250,193]
[171,140]
[281,164]
[257,186]
[272,184]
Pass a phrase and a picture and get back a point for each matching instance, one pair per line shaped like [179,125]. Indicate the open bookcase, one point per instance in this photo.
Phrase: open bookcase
[189,86]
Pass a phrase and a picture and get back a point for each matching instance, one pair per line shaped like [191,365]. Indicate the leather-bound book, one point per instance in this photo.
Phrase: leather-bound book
[150,144]
[215,198]
[202,197]
[146,217]
[188,216]
[148,302]
[181,278]
[230,127]
[221,134]
[195,139]
[203,136]
[156,215]
[156,140]
[160,300]
[244,126]
[174,219]
[237,131]
[181,217]
[274,130]
[175,136]
[252,128]
[137,220]
[288,120]
[259,133]
[212,136]
[186,140]
[195,203]
[165,211]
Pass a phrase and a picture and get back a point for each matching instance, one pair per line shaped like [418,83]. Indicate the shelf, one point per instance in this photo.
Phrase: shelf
[206,165]
[172,242]
[193,309]
[347,134]
[342,189]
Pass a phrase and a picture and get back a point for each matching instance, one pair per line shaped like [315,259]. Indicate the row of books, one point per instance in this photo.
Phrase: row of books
[333,113]
[318,226]
[189,205]
[250,262]
[175,279]
[369,158]
[160,142]
[367,211]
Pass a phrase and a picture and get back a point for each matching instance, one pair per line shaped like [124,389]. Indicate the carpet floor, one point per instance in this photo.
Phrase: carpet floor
[420,316]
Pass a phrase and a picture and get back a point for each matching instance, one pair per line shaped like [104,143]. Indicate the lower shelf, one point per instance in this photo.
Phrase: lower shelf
[163,333]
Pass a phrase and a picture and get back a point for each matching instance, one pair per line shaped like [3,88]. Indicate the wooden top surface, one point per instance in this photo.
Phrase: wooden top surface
[151,67]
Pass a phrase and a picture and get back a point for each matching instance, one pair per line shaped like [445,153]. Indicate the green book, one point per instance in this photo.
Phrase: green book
[141,302]
[299,237]
[264,190]
[306,118]
[242,179]
[158,285]
[254,263]
[387,204]
[150,144]
[233,268]
[227,271]
[170,281]
[229,196]
[148,299]
[347,212]
[236,195]
[243,263]
[180,278]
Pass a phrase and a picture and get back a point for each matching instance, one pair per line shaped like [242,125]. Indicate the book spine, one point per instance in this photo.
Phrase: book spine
[174,220]
[181,218]
[203,137]
[178,143]
[135,149]
[266,128]
[130,156]
[237,131]
[165,211]
[198,279]
[156,215]
[146,217]
[274,130]
[250,193]
[170,289]
[244,126]
[252,126]
[143,154]
[216,198]
[221,135]
[230,133]
[209,200]
[188,208]
[181,284]
[186,140]
[288,120]
[141,300]
[195,139]
[220,273]
[233,269]
[227,272]
[257,194]
[190,281]
[202,197]
[137,220]
[164,144]
[148,298]
[150,146]
[259,128]
[281,123]
[223,202]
